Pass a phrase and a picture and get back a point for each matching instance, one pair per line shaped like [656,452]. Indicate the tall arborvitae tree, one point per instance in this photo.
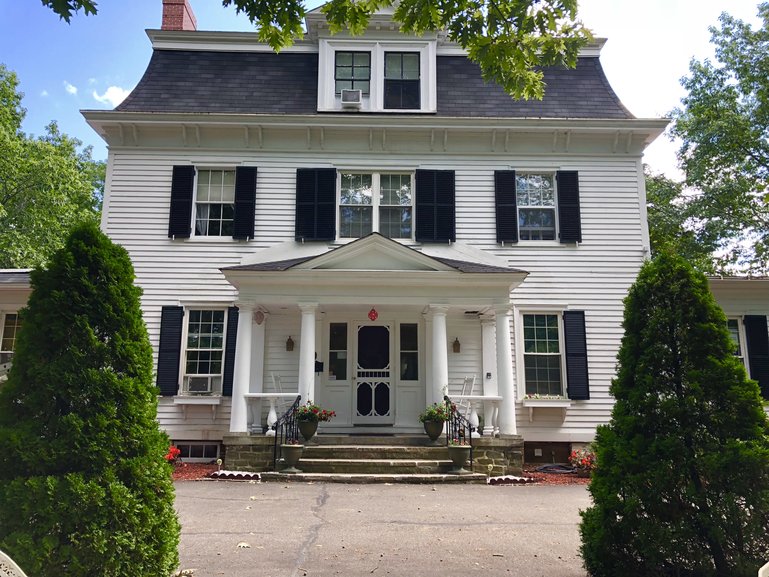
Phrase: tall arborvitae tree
[84,487]
[682,481]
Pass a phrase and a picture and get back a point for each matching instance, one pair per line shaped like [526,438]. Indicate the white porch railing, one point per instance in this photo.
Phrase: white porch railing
[490,413]
[254,409]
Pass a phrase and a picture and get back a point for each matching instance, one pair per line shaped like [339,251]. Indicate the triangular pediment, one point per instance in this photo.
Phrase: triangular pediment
[374,253]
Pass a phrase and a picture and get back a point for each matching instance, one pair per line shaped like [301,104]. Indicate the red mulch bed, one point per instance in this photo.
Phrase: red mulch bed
[192,471]
[554,478]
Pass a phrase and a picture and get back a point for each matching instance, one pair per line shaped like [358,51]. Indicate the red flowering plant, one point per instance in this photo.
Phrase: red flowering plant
[172,456]
[310,412]
[582,459]
[436,412]
[458,442]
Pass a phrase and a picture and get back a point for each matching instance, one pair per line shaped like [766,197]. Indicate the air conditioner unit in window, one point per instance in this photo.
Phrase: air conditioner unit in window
[351,98]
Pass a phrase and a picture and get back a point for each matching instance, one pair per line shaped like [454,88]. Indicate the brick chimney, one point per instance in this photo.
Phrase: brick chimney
[178,15]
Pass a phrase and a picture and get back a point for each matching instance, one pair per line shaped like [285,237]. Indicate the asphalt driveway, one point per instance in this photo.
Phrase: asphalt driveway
[241,529]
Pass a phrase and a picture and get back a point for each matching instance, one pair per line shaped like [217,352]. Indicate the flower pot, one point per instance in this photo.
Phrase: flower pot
[308,429]
[459,455]
[433,429]
[584,473]
[291,455]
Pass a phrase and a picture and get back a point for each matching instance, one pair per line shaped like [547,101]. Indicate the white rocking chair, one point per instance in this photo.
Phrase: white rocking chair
[8,568]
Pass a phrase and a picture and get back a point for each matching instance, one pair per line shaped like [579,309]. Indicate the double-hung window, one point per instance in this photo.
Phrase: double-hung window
[381,202]
[401,81]
[11,323]
[352,71]
[214,202]
[535,196]
[204,353]
[542,356]
[735,331]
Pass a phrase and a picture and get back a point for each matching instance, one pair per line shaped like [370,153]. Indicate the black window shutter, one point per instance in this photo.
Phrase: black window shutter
[435,206]
[180,215]
[169,349]
[757,335]
[578,384]
[245,202]
[506,206]
[231,339]
[315,204]
[569,223]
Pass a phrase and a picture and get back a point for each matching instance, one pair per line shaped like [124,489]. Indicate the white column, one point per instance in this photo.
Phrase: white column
[489,376]
[307,351]
[507,424]
[440,352]
[428,362]
[259,332]
[242,375]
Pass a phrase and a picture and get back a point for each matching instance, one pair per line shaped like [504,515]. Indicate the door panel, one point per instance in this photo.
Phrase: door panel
[373,397]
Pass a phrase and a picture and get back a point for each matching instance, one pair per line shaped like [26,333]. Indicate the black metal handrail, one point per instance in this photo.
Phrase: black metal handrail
[458,428]
[286,431]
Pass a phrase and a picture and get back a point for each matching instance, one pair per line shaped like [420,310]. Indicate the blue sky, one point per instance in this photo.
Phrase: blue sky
[92,62]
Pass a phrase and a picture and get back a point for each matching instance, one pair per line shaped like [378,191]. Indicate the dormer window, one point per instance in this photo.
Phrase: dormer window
[391,76]
[401,80]
[352,71]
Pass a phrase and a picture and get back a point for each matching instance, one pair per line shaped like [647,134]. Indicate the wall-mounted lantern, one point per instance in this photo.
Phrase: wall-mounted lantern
[289,344]
[456,346]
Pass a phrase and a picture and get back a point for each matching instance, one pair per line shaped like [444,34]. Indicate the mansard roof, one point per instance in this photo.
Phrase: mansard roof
[208,81]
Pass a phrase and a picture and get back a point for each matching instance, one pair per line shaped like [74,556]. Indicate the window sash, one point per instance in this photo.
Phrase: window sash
[203,357]
[543,354]
[8,332]
[381,202]
[736,332]
[536,202]
[214,202]
[352,71]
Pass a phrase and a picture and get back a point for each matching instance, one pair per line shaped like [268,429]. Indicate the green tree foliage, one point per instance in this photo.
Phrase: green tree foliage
[724,128]
[84,487]
[674,227]
[682,480]
[509,39]
[46,185]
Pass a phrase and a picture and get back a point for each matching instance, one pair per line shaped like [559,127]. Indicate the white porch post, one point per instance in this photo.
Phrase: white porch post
[489,376]
[242,375]
[440,352]
[307,352]
[507,425]
[259,331]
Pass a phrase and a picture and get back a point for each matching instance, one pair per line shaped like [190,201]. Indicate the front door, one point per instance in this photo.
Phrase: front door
[372,378]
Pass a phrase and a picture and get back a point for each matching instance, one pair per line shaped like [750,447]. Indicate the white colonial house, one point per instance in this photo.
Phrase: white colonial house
[365,222]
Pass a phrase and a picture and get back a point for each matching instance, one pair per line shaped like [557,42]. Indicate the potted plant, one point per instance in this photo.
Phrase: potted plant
[308,416]
[291,451]
[459,453]
[432,418]
[583,461]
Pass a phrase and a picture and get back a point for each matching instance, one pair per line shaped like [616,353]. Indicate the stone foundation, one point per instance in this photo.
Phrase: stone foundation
[498,456]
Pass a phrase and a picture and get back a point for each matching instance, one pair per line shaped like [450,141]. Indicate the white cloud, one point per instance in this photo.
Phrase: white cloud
[70,88]
[113,96]
[44,93]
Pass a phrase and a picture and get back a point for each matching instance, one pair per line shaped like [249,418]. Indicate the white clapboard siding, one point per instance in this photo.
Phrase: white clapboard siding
[200,424]
[593,276]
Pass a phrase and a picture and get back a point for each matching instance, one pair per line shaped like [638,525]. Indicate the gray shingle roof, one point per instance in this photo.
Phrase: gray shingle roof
[286,83]
[14,277]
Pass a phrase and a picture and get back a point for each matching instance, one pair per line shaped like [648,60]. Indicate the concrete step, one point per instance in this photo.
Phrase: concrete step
[400,440]
[375,452]
[371,466]
[475,478]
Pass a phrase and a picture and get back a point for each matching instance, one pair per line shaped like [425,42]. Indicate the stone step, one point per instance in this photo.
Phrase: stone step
[374,452]
[358,478]
[392,440]
[371,466]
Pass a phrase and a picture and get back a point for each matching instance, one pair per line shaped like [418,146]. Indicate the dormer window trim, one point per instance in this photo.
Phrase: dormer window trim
[330,101]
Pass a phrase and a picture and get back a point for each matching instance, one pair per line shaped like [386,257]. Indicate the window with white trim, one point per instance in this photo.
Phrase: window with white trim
[204,352]
[736,331]
[197,451]
[214,202]
[9,329]
[352,71]
[391,75]
[542,354]
[536,200]
[381,202]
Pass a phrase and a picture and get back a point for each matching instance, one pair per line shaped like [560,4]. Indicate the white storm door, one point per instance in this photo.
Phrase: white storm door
[373,378]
